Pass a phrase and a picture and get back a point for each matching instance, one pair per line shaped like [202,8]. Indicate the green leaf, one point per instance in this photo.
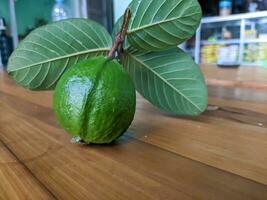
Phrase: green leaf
[170,80]
[162,24]
[47,52]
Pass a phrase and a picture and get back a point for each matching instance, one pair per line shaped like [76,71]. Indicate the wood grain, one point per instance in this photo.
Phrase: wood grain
[17,182]
[227,138]
[219,155]
[243,77]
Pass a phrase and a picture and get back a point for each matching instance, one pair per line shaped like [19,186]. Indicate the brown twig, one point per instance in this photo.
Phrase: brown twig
[120,37]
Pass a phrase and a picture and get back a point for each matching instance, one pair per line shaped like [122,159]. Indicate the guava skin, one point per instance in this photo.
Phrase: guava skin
[95,100]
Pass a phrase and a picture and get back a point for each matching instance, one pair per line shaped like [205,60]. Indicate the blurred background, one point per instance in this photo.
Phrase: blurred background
[232,33]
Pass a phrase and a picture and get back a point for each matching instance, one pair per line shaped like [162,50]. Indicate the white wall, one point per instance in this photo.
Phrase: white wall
[119,8]
[78,8]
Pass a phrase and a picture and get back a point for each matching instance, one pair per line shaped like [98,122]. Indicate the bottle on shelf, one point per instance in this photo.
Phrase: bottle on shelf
[225,7]
[60,11]
[5,43]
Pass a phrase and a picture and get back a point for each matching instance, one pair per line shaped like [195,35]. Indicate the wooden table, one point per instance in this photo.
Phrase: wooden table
[243,77]
[219,155]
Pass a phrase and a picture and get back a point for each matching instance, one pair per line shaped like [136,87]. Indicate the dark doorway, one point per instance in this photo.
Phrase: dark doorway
[211,7]
[102,12]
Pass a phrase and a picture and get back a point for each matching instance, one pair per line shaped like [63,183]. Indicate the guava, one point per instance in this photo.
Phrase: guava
[95,100]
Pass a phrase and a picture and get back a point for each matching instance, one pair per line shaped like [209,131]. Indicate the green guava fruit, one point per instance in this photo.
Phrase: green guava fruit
[95,100]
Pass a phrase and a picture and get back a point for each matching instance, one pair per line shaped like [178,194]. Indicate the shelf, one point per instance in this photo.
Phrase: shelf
[234,17]
[209,63]
[248,20]
[223,24]
[245,63]
[232,41]
[255,41]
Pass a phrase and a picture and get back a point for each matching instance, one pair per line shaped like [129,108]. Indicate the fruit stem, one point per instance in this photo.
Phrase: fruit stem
[120,37]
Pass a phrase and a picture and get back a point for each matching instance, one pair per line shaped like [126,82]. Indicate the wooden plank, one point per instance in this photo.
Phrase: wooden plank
[9,86]
[243,77]
[16,182]
[237,145]
[239,94]
[230,103]
[130,169]
[243,73]
[240,98]
[241,116]
[239,84]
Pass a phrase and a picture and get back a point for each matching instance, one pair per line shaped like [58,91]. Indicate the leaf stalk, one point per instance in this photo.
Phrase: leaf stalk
[120,37]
